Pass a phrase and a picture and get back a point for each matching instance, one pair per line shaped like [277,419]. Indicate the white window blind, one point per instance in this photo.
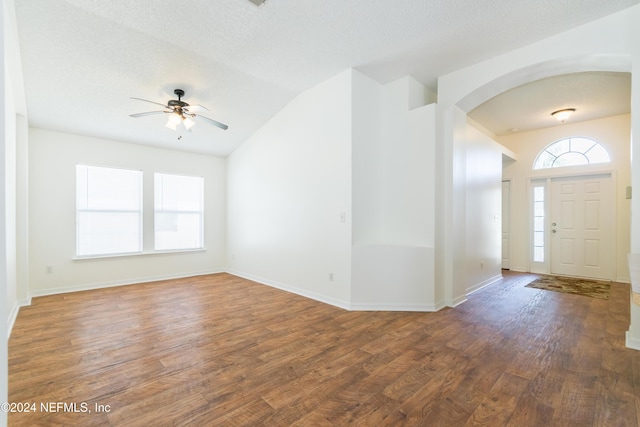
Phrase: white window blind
[179,212]
[108,211]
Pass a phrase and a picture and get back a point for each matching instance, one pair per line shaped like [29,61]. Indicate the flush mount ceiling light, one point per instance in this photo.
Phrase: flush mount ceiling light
[257,2]
[179,112]
[562,115]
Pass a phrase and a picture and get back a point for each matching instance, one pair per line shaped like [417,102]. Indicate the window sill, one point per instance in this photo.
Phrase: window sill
[135,254]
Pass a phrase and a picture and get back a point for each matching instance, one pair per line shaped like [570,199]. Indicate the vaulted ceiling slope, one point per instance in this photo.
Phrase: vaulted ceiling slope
[84,59]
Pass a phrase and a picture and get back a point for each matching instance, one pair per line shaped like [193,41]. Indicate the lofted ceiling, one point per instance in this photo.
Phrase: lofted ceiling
[83,59]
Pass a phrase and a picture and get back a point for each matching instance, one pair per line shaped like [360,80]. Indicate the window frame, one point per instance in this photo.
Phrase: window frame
[549,152]
[200,213]
[537,265]
[79,210]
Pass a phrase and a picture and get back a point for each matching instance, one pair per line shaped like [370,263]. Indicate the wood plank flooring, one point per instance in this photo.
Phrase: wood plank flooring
[220,350]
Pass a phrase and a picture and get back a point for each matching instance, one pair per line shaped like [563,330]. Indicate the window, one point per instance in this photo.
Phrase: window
[538,224]
[571,152]
[108,211]
[179,212]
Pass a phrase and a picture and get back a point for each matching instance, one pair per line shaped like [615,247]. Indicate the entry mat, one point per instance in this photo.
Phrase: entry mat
[573,285]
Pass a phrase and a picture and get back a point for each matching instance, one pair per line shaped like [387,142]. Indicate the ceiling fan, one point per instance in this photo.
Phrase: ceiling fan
[179,112]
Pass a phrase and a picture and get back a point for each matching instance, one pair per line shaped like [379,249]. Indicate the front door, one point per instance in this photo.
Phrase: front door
[582,226]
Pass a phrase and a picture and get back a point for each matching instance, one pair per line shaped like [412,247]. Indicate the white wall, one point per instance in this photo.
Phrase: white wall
[12,112]
[16,166]
[10,237]
[4,289]
[393,196]
[53,158]
[451,240]
[614,134]
[633,334]
[408,132]
[289,204]
[332,199]
[368,165]
[393,143]
[22,208]
[483,256]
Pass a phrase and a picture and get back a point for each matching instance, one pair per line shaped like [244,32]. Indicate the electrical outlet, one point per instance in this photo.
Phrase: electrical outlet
[331,277]
[48,269]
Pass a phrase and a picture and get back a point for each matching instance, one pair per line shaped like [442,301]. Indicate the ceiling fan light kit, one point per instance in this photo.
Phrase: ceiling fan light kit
[188,123]
[173,121]
[179,112]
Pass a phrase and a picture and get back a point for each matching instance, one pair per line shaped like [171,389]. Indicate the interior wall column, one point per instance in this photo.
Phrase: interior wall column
[633,334]
[451,197]
[22,202]
[4,314]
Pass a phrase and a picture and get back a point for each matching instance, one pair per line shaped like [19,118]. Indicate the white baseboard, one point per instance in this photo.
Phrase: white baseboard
[98,285]
[439,305]
[278,285]
[457,301]
[340,303]
[393,307]
[478,286]
[13,314]
[631,342]
[292,289]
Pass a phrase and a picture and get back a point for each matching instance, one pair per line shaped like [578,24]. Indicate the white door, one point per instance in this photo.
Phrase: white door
[506,191]
[582,226]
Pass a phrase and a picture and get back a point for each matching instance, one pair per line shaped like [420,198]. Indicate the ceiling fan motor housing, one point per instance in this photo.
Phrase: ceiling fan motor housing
[178,102]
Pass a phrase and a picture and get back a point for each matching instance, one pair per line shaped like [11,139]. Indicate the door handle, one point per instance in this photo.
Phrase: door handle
[554,231]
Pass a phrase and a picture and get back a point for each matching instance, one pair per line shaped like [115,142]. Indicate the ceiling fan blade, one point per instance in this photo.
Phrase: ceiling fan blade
[213,122]
[195,108]
[148,113]
[153,102]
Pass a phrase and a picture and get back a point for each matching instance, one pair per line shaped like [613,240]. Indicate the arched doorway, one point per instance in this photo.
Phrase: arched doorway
[454,102]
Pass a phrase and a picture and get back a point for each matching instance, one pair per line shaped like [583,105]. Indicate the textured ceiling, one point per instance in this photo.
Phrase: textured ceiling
[528,107]
[83,59]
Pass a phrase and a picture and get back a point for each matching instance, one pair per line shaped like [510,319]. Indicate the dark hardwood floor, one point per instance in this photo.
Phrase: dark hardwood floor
[221,350]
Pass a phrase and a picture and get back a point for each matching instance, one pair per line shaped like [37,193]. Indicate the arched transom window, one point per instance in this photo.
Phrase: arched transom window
[573,151]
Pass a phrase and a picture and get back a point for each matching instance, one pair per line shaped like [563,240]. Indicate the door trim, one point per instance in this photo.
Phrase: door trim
[545,268]
[506,219]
